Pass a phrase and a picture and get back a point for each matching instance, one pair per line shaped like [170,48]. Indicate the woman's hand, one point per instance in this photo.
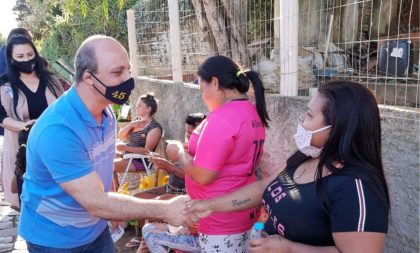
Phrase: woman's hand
[273,243]
[30,122]
[23,125]
[198,209]
[160,162]
[122,147]
[16,125]
[140,124]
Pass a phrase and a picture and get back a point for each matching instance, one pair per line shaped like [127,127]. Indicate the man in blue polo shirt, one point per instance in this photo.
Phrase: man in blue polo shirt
[66,199]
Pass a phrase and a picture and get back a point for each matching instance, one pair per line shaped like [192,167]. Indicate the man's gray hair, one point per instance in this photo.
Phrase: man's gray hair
[85,56]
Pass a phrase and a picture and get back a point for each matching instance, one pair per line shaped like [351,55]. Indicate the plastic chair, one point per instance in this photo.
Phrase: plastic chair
[132,156]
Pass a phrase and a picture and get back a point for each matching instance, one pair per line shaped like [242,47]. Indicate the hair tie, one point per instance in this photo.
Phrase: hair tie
[238,73]
[23,145]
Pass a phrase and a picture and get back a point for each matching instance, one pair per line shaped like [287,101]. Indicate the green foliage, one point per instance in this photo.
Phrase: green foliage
[2,40]
[260,19]
[60,26]
[22,9]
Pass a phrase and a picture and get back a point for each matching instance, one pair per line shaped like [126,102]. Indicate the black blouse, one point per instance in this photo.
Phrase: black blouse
[297,213]
[37,101]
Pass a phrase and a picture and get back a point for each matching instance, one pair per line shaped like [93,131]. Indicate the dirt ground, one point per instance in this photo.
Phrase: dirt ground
[120,245]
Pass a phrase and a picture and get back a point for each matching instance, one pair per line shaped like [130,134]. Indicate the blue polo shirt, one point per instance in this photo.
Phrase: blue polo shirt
[66,143]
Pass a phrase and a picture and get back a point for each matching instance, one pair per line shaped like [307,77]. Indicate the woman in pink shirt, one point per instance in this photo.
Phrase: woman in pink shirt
[226,149]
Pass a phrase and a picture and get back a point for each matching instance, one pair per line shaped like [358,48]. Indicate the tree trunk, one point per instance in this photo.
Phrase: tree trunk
[224,30]
[236,30]
[206,32]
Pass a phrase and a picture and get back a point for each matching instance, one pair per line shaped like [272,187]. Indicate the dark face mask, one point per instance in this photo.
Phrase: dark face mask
[25,66]
[116,94]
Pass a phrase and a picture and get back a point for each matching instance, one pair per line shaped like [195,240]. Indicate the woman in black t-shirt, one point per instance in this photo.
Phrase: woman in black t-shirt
[142,135]
[331,196]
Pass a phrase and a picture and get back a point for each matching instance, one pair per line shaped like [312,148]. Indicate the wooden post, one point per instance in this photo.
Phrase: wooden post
[289,28]
[327,43]
[277,24]
[132,43]
[175,41]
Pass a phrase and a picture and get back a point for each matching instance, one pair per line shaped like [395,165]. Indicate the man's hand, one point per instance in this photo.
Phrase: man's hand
[174,212]
[198,209]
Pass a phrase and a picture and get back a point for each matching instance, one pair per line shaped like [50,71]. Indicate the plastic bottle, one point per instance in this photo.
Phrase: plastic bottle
[117,234]
[258,231]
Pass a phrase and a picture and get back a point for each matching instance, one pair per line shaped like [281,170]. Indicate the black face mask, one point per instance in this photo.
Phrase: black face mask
[116,94]
[25,66]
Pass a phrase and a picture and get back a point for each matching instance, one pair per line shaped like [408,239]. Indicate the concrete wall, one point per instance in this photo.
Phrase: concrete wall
[400,131]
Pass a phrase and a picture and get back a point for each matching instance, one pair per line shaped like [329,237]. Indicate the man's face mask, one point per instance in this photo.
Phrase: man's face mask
[116,94]
[25,66]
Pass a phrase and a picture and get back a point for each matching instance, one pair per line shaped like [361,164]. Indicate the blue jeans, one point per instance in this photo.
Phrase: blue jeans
[102,244]
[158,239]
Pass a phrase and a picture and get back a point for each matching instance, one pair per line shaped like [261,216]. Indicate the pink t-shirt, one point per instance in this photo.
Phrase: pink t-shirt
[230,141]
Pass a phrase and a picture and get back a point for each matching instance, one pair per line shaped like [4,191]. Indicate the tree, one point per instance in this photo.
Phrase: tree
[60,26]
[3,40]
[223,28]
[22,9]
[38,16]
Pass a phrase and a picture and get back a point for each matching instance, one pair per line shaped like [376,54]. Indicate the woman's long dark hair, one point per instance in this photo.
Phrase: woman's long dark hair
[355,138]
[13,74]
[230,76]
[20,163]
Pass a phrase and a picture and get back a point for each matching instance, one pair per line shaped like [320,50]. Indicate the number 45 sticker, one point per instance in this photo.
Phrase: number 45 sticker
[119,94]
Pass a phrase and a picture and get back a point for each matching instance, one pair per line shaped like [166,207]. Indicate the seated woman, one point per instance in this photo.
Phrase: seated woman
[143,135]
[158,234]
[331,196]
[172,166]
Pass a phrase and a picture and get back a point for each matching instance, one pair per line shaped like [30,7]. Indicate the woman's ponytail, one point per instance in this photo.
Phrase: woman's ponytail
[259,90]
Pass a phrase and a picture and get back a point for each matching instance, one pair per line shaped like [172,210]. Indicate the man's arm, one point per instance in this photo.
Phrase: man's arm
[88,191]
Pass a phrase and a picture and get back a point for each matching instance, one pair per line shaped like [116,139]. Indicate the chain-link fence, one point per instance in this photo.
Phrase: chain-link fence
[374,42]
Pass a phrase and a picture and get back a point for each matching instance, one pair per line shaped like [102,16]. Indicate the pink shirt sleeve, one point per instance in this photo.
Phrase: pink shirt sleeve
[215,144]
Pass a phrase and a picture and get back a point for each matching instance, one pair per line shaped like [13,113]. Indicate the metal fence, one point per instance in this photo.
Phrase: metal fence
[374,42]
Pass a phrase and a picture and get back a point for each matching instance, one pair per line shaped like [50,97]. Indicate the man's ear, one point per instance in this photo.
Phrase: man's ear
[87,77]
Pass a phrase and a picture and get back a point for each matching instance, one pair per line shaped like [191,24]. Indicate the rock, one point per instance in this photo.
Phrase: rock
[6,247]
[7,239]
[7,224]
[8,232]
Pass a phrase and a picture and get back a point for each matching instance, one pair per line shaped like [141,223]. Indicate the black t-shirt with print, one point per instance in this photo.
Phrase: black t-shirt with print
[296,212]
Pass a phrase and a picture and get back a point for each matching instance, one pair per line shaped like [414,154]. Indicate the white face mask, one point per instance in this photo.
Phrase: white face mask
[303,139]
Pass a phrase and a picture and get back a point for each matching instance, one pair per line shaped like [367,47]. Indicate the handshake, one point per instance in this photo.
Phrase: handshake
[183,211]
